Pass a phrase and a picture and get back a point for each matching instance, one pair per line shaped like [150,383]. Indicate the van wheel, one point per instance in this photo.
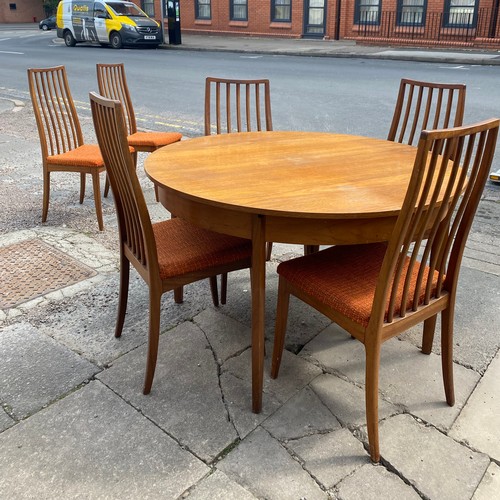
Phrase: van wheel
[116,41]
[69,39]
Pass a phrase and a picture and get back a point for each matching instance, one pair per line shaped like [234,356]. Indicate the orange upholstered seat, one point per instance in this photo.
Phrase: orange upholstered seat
[380,290]
[88,155]
[183,248]
[344,278]
[153,139]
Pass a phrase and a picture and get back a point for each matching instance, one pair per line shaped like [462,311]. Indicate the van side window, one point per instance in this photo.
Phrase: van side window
[100,11]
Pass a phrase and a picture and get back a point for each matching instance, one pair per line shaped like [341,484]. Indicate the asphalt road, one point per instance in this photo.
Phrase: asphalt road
[353,96]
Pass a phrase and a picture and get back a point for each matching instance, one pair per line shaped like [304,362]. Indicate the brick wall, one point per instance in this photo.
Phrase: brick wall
[24,12]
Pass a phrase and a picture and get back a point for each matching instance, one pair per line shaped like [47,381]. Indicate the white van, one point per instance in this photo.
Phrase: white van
[108,22]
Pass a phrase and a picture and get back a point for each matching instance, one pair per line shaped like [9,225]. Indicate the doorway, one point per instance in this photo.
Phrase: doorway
[314,18]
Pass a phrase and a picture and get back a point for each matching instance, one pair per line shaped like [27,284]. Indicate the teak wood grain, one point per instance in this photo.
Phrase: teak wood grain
[293,187]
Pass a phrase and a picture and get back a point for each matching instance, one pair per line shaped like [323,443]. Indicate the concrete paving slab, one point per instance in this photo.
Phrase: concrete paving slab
[417,452]
[5,420]
[302,415]
[489,488]
[261,465]
[35,370]
[478,425]
[347,401]
[186,399]
[218,486]
[331,457]
[408,378]
[86,323]
[92,444]
[477,322]
[372,482]
[238,399]
[295,373]
[226,336]
[304,322]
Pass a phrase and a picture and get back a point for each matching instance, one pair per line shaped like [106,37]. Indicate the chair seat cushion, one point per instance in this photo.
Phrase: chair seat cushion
[88,155]
[184,248]
[153,139]
[344,278]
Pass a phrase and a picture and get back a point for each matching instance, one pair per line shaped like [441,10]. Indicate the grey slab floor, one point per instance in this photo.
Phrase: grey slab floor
[75,424]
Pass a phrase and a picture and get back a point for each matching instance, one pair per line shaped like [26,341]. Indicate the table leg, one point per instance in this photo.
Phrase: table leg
[258,282]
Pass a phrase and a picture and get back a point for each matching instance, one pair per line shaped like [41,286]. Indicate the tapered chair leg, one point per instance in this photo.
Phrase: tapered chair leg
[82,186]
[223,288]
[97,199]
[46,195]
[309,249]
[106,186]
[269,250]
[447,353]
[214,290]
[123,296]
[428,334]
[371,399]
[280,326]
[179,295]
[154,337]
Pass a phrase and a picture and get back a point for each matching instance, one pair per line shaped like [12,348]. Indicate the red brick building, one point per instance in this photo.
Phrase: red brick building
[402,22]
[21,11]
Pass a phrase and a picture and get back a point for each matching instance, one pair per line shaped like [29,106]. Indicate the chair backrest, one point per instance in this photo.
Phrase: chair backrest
[424,254]
[424,106]
[237,105]
[136,232]
[55,112]
[112,84]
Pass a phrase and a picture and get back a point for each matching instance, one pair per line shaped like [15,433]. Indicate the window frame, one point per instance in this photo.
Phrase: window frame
[274,19]
[357,11]
[399,14]
[446,16]
[197,14]
[149,3]
[231,10]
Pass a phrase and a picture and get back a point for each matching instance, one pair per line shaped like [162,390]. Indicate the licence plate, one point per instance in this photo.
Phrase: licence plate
[149,37]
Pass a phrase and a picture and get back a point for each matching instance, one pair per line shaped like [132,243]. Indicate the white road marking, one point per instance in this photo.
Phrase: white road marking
[7,52]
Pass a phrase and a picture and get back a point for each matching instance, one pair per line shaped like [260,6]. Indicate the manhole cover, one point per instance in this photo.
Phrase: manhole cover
[32,268]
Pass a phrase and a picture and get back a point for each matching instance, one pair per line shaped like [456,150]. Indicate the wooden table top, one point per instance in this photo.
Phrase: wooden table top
[299,174]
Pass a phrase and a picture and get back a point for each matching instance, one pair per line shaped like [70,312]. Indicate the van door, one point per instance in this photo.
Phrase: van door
[100,16]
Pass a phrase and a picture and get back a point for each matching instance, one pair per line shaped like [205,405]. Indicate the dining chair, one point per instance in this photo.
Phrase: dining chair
[112,83]
[426,105]
[377,291]
[61,138]
[233,105]
[166,254]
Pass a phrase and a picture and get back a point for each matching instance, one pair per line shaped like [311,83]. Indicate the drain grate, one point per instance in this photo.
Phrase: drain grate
[32,268]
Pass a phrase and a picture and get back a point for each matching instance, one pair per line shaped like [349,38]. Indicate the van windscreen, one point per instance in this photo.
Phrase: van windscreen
[126,9]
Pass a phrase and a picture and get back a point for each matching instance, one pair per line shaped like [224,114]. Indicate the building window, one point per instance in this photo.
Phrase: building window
[460,13]
[411,12]
[202,9]
[281,10]
[12,6]
[367,11]
[238,10]
[148,6]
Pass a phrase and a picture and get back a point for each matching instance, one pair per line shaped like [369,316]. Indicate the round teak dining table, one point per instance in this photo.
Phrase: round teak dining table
[291,187]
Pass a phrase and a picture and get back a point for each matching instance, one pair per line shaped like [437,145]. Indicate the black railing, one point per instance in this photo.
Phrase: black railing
[439,26]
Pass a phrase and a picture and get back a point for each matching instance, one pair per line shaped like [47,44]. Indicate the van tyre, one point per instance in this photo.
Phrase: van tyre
[116,40]
[69,39]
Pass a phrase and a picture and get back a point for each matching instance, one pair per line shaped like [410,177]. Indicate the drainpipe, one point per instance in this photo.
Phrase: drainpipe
[337,20]
[494,19]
